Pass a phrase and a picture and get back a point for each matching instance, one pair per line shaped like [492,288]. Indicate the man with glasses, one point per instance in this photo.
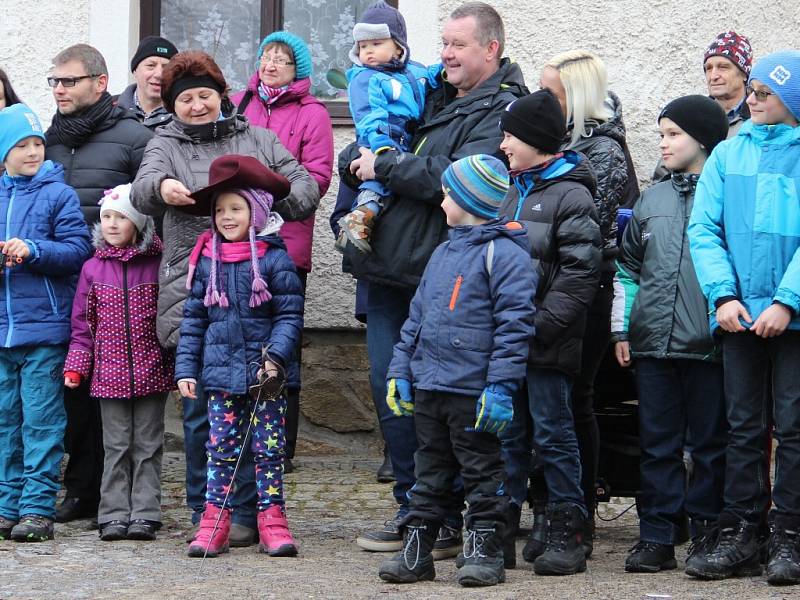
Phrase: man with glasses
[100,146]
[143,98]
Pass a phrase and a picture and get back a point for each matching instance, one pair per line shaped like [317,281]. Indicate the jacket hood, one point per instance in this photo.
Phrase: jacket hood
[207,132]
[613,128]
[496,228]
[49,172]
[573,166]
[149,244]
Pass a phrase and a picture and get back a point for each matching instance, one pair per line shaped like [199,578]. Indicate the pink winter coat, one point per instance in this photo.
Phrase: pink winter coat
[302,124]
[114,321]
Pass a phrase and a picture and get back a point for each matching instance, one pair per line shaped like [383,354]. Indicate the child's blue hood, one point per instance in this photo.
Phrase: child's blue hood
[49,172]
[481,234]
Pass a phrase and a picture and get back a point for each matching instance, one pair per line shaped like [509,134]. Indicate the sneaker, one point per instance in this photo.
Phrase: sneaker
[563,547]
[783,566]
[32,528]
[415,560]
[388,539]
[143,530]
[735,552]
[448,542]
[483,555]
[72,509]
[6,525]
[357,228]
[534,547]
[113,531]
[242,536]
[650,557]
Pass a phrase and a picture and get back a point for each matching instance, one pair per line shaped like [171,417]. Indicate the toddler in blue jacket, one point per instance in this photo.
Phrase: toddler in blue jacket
[242,319]
[464,350]
[44,243]
[387,96]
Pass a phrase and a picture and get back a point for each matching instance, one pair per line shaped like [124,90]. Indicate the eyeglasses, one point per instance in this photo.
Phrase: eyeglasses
[761,95]
[278,62]
[67,81]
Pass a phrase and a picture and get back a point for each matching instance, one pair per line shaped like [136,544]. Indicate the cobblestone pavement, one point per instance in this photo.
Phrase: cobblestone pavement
[330,500]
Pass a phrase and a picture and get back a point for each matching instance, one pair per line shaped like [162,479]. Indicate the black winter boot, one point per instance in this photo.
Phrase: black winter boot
[510,538]
[735,552]
[415,561]
[650,557]
[563,548]
[534,547]
[385,472]
[483,555]
[783,564]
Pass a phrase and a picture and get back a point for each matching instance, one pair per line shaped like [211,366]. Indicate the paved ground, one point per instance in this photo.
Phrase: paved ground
[331,499]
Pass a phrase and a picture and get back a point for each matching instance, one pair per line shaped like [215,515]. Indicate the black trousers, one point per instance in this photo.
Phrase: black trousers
[83,441]
[447,447]
[293,389]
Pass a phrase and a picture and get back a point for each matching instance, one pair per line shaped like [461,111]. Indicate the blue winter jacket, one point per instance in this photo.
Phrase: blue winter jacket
[471,319]
[36,296]
[221,347]
[383,101]
[744,232]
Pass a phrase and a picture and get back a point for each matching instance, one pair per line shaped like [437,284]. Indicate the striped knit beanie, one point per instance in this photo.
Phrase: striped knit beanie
[477,184]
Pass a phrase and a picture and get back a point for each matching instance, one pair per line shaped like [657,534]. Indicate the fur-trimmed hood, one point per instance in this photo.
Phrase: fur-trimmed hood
[149,244]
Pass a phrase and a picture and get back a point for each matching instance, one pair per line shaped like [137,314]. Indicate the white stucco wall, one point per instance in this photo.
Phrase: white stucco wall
[653,51]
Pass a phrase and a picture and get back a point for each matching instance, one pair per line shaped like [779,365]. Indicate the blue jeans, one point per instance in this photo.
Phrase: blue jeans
[195,431]
[673,395]
[549,410]
[754,367]
[32,422]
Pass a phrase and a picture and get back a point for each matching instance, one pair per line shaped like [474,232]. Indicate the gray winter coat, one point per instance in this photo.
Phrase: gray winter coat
[658,304]
[185,152]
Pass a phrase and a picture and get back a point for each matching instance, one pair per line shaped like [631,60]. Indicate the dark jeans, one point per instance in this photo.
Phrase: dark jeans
[595,344]
[753,367]
[195,431]
[387,310]
[447,449]
[676,395]
[549,407]
[83,441]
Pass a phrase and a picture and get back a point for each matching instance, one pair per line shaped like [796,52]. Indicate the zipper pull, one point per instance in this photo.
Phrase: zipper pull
[166,270]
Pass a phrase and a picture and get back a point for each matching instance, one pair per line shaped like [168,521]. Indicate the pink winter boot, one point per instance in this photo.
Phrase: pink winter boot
[215,541]
[273,533]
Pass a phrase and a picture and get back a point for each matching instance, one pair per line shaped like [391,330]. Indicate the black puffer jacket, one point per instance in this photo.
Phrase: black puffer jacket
[412,224]
[604,145]
[110,157]
[158,118]
[563,229]
[658,304]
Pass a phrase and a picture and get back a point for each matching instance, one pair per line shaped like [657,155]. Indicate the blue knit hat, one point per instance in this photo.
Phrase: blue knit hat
[477,184]
[781,73]
[17,122]
[303,66]
[381,21]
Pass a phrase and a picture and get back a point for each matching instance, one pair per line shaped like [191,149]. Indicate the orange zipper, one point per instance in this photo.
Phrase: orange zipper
[456,289]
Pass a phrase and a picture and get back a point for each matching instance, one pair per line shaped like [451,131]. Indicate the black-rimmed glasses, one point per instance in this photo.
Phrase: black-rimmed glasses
[761,95]
[67,81]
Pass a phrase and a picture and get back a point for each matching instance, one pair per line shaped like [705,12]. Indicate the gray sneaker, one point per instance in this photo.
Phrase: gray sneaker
[388,539]
[33,528]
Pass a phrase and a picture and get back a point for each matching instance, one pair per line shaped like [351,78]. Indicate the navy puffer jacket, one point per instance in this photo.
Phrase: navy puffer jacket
[469,327]
[221,347]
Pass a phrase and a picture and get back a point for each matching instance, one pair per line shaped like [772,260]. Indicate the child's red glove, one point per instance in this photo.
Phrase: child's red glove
[73,376]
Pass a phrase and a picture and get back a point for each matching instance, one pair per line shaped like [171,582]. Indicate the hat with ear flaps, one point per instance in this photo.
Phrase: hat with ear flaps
[259,186]
[381,21]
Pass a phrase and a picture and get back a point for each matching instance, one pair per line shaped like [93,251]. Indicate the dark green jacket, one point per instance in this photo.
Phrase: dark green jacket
[658,305]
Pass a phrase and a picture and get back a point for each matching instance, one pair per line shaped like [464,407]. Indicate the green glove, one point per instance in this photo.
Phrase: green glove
[399,398]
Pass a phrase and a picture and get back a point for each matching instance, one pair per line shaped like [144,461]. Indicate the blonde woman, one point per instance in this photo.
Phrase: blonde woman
[594,127]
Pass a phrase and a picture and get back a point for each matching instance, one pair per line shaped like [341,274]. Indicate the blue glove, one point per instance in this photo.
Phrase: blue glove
[399,398]
[495,408]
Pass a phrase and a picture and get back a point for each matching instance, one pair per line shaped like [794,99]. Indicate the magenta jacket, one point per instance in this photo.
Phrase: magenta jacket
[302,124]
[114,321]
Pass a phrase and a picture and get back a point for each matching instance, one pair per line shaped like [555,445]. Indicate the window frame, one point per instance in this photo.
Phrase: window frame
[271,20]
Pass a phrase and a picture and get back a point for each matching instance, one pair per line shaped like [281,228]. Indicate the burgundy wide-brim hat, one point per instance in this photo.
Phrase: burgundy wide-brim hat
[235,171]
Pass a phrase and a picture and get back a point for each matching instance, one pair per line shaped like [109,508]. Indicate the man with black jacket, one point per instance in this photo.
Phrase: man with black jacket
[460,119]
[143,97]
[100,146]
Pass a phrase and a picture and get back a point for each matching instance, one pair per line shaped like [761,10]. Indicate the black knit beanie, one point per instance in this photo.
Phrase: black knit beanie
[537,120]
[153,46]
[699,116]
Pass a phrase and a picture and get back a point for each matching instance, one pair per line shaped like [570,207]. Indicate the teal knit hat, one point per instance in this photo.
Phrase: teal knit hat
[477,184]
[17,122]
[302,56]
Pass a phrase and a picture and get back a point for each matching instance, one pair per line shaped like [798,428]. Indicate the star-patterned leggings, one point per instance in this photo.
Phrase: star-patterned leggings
[227,415]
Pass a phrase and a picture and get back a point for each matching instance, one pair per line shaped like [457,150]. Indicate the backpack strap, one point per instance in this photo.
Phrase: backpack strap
[248,95]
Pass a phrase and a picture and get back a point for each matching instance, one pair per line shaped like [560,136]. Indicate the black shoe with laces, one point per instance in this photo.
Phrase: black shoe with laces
[143,530]
[483,555]
[783,562]
[113,531]
[534,547]
[734,553]
[703,540]
[415,561]
[448,542]
[563,549]
[6,525]
[650,557]
[33,528]
[388,539]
